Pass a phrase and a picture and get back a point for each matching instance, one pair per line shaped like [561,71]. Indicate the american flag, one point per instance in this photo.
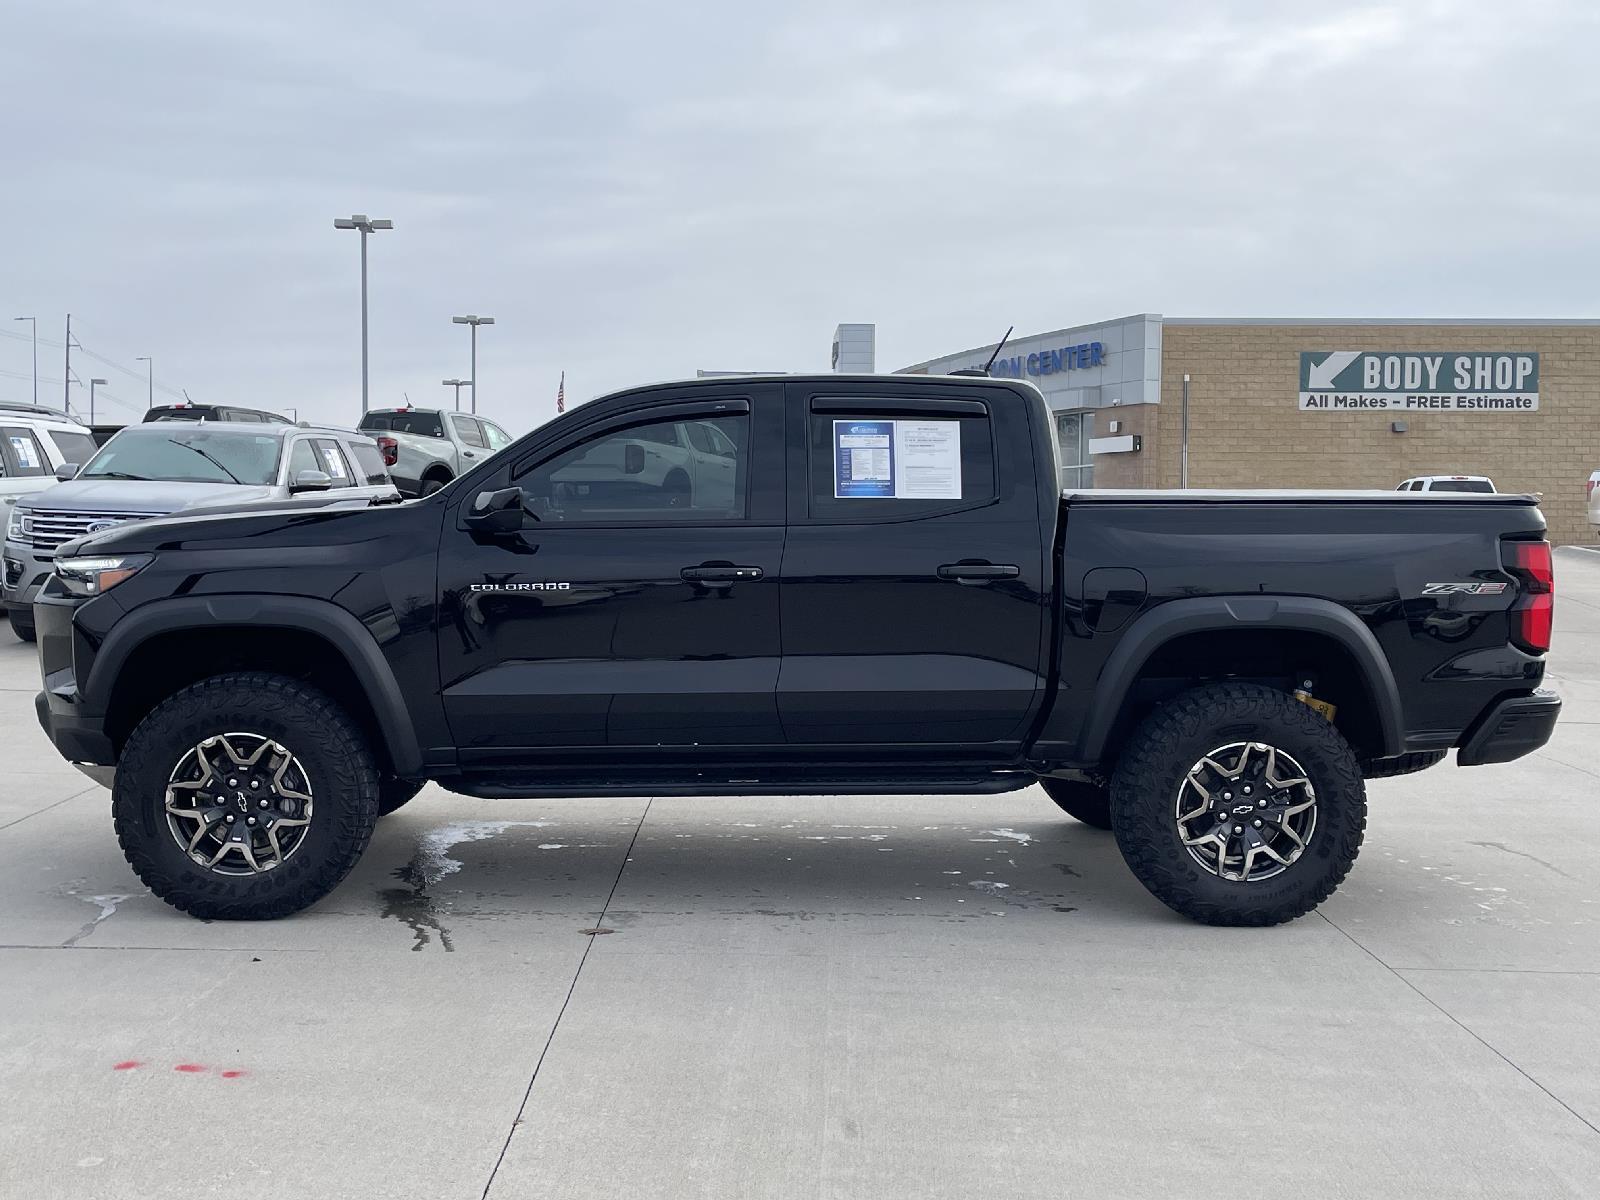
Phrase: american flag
[561,394]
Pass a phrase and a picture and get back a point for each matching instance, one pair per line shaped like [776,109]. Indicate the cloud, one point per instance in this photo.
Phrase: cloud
[637,191]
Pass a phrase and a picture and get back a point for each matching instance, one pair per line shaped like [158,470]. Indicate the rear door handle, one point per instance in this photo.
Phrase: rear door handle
[975,573]
[720,574]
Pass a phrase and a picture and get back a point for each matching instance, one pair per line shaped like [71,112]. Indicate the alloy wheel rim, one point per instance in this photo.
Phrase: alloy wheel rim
[1246,811]
[239,804]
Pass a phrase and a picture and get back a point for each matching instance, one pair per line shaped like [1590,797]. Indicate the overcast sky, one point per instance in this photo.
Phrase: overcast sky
[636,191]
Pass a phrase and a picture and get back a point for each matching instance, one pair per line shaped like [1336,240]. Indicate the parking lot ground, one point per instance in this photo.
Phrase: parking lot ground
[840,997]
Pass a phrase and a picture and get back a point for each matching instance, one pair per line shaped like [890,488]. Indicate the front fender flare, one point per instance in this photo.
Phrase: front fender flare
[1205,614]
[322,618]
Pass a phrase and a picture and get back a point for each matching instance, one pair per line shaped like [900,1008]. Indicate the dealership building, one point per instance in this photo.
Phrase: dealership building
[1289,403]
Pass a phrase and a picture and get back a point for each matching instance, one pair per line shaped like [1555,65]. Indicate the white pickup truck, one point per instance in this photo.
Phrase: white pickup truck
[428,447]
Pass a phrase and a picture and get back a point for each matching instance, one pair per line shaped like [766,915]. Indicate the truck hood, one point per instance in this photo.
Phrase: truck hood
[143,496]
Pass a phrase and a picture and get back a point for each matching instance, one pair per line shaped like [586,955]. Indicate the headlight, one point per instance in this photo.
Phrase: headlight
[91,576]
[19,525]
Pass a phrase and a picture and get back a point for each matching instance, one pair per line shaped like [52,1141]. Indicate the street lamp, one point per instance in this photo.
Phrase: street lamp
[366,225]
[149,380]
[458,384]
[473,321]
[34,321]
[93,383]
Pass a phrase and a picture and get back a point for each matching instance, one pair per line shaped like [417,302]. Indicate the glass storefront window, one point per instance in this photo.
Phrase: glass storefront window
[1073,431]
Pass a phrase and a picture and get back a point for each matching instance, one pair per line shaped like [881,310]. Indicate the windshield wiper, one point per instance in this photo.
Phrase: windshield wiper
[214,462]
[116,475]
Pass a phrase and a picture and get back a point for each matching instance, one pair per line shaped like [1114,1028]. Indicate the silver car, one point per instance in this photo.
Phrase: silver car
[162,468]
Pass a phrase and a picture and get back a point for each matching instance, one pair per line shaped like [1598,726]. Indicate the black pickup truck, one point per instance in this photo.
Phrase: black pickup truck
[797,586]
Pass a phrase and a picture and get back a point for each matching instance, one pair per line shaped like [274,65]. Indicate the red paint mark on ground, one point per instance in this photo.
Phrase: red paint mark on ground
[233,1074]
[129,1065]
[189,1068]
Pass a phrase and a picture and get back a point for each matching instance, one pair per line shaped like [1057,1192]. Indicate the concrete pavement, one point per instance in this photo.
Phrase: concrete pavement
[845,997]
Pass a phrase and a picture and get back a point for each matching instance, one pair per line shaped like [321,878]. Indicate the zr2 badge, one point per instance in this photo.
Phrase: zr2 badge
[1463,589]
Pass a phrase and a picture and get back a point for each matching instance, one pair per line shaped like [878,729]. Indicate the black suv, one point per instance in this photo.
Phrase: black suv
[215,412]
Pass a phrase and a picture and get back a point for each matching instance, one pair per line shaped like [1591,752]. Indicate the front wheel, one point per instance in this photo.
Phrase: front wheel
[22,624]
[1236,804]
[245,796]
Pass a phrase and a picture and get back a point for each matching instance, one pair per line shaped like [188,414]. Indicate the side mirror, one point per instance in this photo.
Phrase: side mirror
[498,512]
[633,459]
[311,481]
[67,471]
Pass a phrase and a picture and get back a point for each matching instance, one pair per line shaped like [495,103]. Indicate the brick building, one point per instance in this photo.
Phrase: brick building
[1320,404]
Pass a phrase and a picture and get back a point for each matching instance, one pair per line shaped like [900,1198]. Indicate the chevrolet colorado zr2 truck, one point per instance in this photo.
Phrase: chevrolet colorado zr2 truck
[887,593]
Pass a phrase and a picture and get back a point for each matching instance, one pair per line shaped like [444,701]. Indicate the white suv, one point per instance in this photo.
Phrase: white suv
[35,445]
[1447,483]
[1594,501]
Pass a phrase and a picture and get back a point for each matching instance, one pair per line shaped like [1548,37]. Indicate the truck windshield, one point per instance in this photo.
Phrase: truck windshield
[180,454]
[424,424]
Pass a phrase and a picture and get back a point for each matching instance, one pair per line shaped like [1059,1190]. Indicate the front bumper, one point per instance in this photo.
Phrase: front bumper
[78,733]
[23,571]
[1510,728]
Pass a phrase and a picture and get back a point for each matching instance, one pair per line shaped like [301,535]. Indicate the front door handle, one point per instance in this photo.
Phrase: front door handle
[720,574]
[977,573]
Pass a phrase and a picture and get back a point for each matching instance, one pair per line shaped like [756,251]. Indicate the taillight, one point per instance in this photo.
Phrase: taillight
[1588,487]
[390,449]
[1532,611]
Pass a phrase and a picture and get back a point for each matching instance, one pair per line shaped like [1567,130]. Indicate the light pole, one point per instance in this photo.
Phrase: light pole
[34,321]
[1183,444]
[458,384]
[93,383]
[473,321]
[366,225]
[149,380]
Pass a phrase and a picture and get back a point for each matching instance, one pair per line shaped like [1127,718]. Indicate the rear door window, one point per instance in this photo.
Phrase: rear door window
[23,452]
[369,461]
[469,431]
[868,464]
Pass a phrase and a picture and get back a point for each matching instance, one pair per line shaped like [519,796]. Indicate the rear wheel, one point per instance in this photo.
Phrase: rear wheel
[245,796]
[1236,804]
[431,485]
[22,624]
[1088,802]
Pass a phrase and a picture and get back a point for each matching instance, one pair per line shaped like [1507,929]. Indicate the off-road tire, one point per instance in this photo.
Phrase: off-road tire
[1402,764]
[395,793]
[22,625]
[1088,802]
[1174,738]
[432,485]
[313,728]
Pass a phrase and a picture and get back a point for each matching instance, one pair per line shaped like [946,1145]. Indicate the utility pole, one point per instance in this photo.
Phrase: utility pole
[366,225]
[457,384]
[150,381]
[473,321]
[66,382]
[34,321]
[93,383]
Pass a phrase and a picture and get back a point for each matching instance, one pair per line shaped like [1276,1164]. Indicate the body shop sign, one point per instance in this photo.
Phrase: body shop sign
[1345,380]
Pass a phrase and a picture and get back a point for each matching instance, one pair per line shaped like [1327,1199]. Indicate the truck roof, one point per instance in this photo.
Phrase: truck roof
[1287,496]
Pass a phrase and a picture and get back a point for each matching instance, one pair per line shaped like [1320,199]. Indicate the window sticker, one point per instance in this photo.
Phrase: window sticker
[863,459]
[330,455]
[900,460]
[27,460]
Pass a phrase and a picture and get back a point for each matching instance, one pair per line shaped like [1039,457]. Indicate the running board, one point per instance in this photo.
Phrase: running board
[520,786]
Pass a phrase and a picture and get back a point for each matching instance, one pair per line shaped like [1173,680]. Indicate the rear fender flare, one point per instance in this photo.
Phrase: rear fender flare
[1203,614]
